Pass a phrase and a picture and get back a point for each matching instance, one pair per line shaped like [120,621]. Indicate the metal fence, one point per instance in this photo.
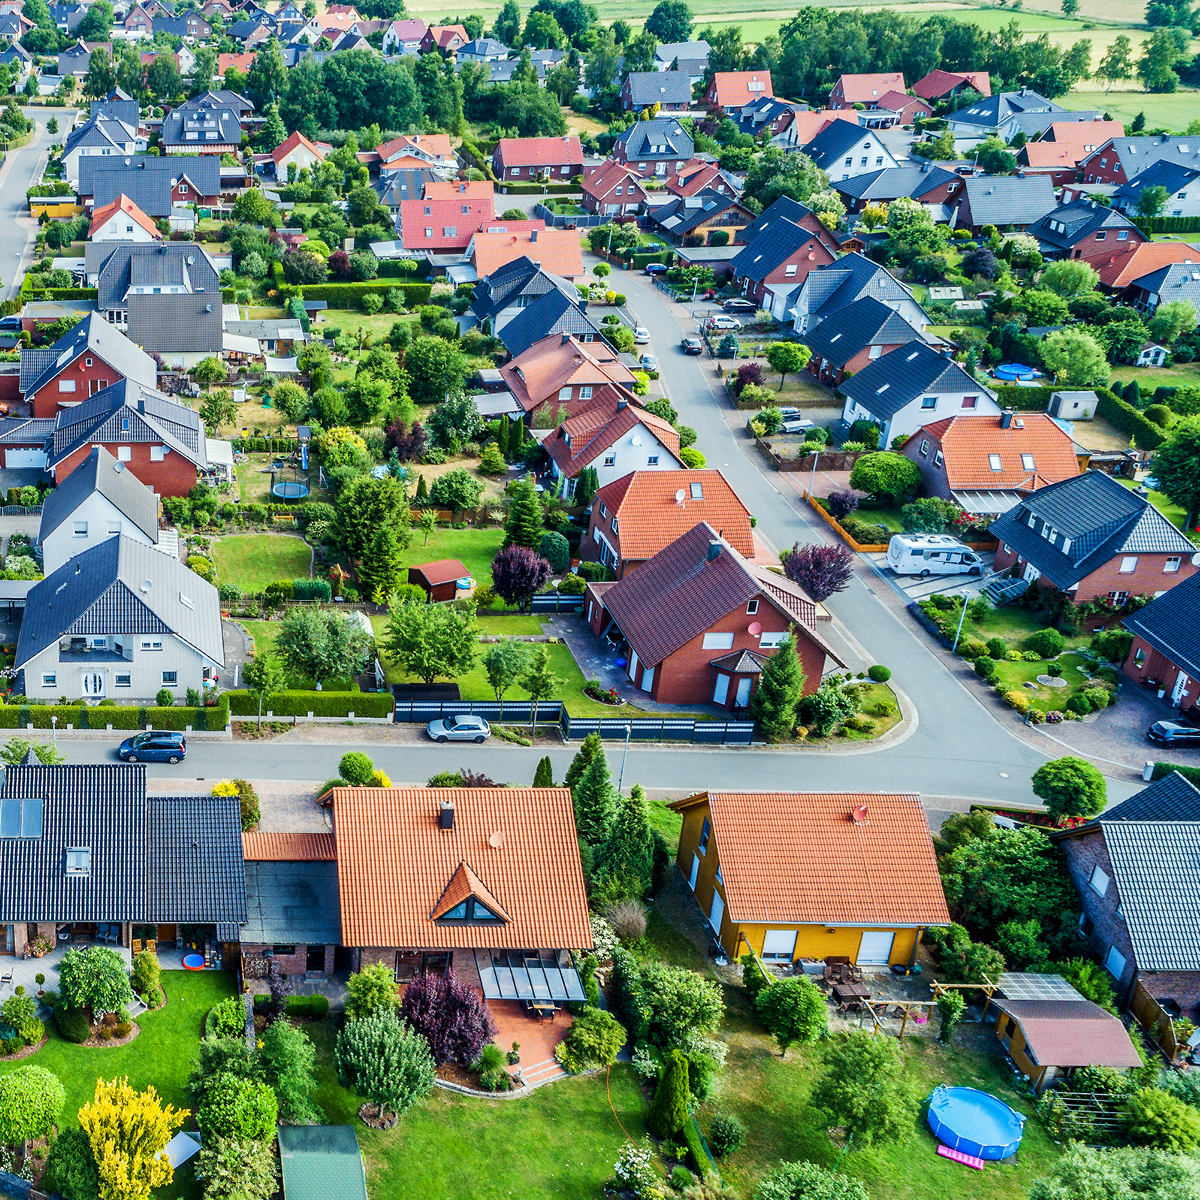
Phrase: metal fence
[553,602]
[20,510]
[574,220]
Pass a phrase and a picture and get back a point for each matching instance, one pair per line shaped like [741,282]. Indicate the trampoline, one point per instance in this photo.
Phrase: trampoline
[1017,371]
[287,483]
[972,1122]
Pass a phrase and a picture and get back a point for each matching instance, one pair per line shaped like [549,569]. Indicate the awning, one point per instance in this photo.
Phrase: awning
[239,344]
[494,404]
[461,273]
[220,454]
[180,1148]
[541,978]
[282,366]
[987,502]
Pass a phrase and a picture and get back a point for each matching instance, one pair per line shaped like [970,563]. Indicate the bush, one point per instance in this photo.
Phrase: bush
[164,698]
[450,1016]
[556,550]
[94,977]
[356,768]
[492,1068]
[31,1102]
[997,648]
[385,1061]
[807,1181]
[1161,1121]
[71,1166]
[316,1007]
[726,1134]
[227,1019]
[238,1108]
[1049,643]
[1113,645]
[369,990]
[879,674]
[72,1023]
[985,667]
[595,1039]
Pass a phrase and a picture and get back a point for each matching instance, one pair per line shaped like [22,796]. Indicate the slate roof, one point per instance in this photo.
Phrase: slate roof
[1135,154]
[834,140]
[165,264]
[993,111]
[292,902]
[151,417]
[394,187]
[1100,517]
[194,860]
[1170,175]
[866,322]
[835,285]
[147,179]
[681,214]
[890,182]
[1171,798]
[780,241]
[102,591]
[101,473]
[697,51]
[885,386]
[800,858]
[1171,624]
[1071,1033]
[519,277]
[661,138]
[784,209]
[647,88]
[1069,224]
[1179,281]
[554,312]
[1009,199]
[201,117]
[99,130]
[93,335]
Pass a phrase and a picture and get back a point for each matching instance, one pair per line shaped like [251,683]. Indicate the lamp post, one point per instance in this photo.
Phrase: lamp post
[695,288]
[624,755]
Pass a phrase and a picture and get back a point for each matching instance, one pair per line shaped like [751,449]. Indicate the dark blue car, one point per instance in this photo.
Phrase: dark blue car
[154,745]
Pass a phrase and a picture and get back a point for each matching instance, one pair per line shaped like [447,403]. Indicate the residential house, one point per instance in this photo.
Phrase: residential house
[279,336]
[155,184]
[670,90]
[1122,270]
[613,190]
[541,61]
[23,442]
[160,441]
[1179,281]
[787,209]
[418,150]
[204,125]
[928,184]
[1064,146]
[709,218]
[394,187]
[865,89]
[484,882]
[442,225]
[87,359]
[698,621]
[483,50]
[537,157]
[658,147]
[614,436]
[856,335]
[1179,181]
[731,90]
[1005,114]
[1086,230]
[459,189]
[449,39]
[98,500]
[557,250]
[85,848]
[1166,643]
[696,176]
[236,62]
[75,59]
[790,876]
[293,922]
[895,108]
[99,136]
[911,387]
[122,221]
[567,376]
[190,25]
[1091,537]
[1135,873]
[841,149]
[986,464]
[838,284]
[250,33]
[805,125]
[689,57]
[776,262]
[1006,201]
[641,513]
[298,151]
[19,62]
[118,105]
[768,116]
[1121,159]
[941,85]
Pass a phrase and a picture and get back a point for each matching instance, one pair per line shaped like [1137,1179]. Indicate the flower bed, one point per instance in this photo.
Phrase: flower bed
[595,691]
[1026,817]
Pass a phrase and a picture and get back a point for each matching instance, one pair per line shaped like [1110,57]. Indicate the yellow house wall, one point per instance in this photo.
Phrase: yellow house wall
[812,941]
[57,208]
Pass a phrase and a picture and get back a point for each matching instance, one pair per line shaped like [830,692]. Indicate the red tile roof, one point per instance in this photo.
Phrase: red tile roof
[444,35]
[395,865]
[940,83]
[538,373]
[454,189]
[1071,1033]
[1090,134]
[288,847]
[437,216]
[801,858]
[540,151]
[696,175]
[581,439]
[867,89]
[602,179]
[435,145]
[320,149]
[444,570]
[555,250]
[730,88]
[1120,270]
[122,204]
[898,101]
[243,62]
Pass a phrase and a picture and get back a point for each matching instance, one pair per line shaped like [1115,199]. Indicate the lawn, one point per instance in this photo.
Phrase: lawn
[474,548]
[1014,624]
[254,560]
[1165,505]
[510,625]
[667,822]
[1174,111]
[873,694]
[886,515]
[1176,375]
[1016,674]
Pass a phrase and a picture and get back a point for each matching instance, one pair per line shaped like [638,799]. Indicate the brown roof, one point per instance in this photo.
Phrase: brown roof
[395,865]
[537,374]
[1069,1033]
[939,83]
[1063,155]
[453,189]
[679,593]
[694,176]
[1120,270]
[602,179]
[650,517]
[554,250]
[122,204]
[288,847]
[867,89]
[581,439]
[799,857]
[443,571]
[540,151]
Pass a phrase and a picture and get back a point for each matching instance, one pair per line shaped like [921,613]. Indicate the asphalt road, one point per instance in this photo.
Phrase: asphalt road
[16,176]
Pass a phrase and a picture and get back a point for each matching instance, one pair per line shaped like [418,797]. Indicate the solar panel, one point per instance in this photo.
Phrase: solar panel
[10,818]
[21,818]
[1025,986]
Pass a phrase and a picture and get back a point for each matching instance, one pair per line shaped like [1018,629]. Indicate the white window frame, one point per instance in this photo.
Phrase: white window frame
[1099,880]
[717,641]
[1129,564]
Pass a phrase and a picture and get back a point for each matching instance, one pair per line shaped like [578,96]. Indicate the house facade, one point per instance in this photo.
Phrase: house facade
[122,221]
[567,375]
[777,262]
[856,335]
[1121,159]
[537,157]
[1166,644]
[659,147]
[1085,230]
[613,190]
[842,149]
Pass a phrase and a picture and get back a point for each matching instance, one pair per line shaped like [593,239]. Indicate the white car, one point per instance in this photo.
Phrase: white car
[724,323]
[641,335]
[462,728]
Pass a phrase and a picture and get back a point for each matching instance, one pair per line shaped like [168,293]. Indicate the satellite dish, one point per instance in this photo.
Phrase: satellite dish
[496,840]
[636,440]
[1196,560]
[679,495]
[755,628]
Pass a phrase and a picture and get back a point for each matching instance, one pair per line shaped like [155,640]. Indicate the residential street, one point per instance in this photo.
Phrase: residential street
[16,176]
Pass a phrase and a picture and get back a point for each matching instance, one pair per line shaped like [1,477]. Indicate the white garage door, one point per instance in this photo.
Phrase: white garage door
[778,945]
[14,459]
[875,948]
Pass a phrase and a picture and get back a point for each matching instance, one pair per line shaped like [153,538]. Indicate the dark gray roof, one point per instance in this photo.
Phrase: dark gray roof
[479,47]
[835,140]
[128,265]
[866,322]
[178,26]
[769,249]
[104,591]
[1178,281]
[742,662]
[1069,224]
[1137,153]
[99,808]
[1009,199]
[199,122]
[147,179]
[117,104]
[1170,175]
[993,111]
[291,903]
[697,51]
[93,335]
[784,209]
[647,88]
[127,412]
[98,130]
[840,283]
[1171,624]
[395,186]
[888,183]
[885,386]
[25,431]
[177,324]
[662,138]
[1172,798]
[681,214]
[553,313]
[1098,516]
[194,860]
[102,473]
[521,277]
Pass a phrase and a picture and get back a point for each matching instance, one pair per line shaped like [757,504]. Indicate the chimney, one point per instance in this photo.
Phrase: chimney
[141,405]
[566,337]
[714,550]
[622,404]
[446,815]
[533,235]
[1006,418]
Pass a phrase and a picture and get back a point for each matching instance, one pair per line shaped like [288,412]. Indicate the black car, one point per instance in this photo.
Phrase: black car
[154,745]
[1173,733]
[736,305]
[692,345]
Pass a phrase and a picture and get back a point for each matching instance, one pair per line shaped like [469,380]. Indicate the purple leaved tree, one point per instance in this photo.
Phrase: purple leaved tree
[449,1015]
[820,570]
[517,573]
[842,504]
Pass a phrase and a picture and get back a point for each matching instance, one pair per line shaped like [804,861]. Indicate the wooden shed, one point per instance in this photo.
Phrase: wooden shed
[439,579]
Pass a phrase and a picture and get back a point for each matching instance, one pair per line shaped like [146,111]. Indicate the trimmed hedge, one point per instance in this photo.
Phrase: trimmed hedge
[393,268]
[320,704]
[349,295]
[1162,769]
[316,1007]
[697,1154]
[18,716]
[36,293]
[262,445]
[1031,399]
[1151,225]
[536,189]
[1126,418]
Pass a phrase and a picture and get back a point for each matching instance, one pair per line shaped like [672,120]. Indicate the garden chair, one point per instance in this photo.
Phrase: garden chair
[135,946]
[6,978]
[152,945]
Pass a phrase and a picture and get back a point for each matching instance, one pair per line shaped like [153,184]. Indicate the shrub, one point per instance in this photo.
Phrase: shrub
[72,1023]
[369,990]
[31,1101]
[227,1019]
[1113,645]
[726,1134]
[20,1015]
[595,1039]
[71,1166]
[556,550]
[997,648]
[808,1181]
[1020,701]
[842,504]
[449,1015]
[669,1108]
[985,667]
[386,1061]
[1049,643]
[238,1108]
[1070,787]
[1157,1119]
[628,919]
[356,768]
[879,674]
[164,698]
[793,1010]
[492,1069]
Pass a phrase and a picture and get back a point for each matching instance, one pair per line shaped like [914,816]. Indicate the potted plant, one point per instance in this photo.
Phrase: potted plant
[41,979]
[40,946]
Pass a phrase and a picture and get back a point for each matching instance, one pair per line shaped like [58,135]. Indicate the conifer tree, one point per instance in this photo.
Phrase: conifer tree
[669,1108]
[629,852]
[543,777]
[592,745]
[595,802]
[502,436]
[422,493]
[523,526]
[773,706]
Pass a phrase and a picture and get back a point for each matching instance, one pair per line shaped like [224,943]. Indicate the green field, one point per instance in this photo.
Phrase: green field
[254,560]
[474,548]
[1174,111]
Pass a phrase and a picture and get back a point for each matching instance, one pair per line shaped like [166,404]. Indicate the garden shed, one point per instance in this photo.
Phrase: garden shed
[438,579]
[321,1162]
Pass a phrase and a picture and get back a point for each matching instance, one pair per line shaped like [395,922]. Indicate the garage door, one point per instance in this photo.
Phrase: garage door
[14,459]
[779,945]
[875,948]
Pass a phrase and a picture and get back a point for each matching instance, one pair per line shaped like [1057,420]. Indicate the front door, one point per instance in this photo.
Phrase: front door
[743,692]
[93,684]
[875,949]
[721,689]
[647,679]
[314,959]
[695,871]
[716,912]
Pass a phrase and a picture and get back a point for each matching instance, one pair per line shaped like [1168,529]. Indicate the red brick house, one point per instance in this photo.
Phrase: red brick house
[564,373]
[613,190]
[1166,643]
[939,84]
[1120,159]
[1087,231]
[731,90]
[907,108]
[443,225]
[636,516]
[849,339]
[532,158]
[85,360]
[1093,538]
[696,175]
[449,39]
[778,261]
[699,621]
[865,89]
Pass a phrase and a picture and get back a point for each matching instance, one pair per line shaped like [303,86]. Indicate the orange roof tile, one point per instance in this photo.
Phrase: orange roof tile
[801,857]
[651,518]
[1064,155]
[597,429]
[320,149]
[242,62]
[455,189]
[867,89]
[733,87]
[967,443]
[540,151]
[1091,134]
[551,363]
[395,865]
[1120,270]
[436,145]
[599,181]
[554,250]
[122,204]
[288,847]
[463,883]
[808,124]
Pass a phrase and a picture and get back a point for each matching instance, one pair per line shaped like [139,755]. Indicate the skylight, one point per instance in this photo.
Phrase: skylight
[79,860]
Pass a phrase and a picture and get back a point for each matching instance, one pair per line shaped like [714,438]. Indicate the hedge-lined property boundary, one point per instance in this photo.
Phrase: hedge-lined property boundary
[1127,419]
[1168,224]
[81,716]
[347,295]
[41,293]
[1163,769]
[319,704]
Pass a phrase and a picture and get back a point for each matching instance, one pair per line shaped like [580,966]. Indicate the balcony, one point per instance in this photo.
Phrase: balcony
[77,650]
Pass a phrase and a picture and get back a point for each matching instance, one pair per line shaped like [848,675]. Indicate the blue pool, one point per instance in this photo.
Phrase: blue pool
[969,1120]
[1018,371]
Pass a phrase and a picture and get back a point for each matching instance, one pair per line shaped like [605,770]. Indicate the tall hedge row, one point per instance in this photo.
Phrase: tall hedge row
[1126,418]
[18,716]
[320,704]
[349,295]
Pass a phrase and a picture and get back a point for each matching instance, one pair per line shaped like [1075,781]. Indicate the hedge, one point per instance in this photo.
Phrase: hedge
[1168,224]
[81,716]
[320,704]
[393,268]
[349,295]
[1127,419]
[36,293]
[1024,399]
[262,445]
[536,189]
[1162,769]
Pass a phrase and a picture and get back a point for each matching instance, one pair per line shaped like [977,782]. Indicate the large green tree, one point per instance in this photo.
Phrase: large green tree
[382,1059]
[31,1101]
[435,369]
[428,640]
[1075,358]
[595,802]
[524,524]
[322,644]
[1177,468]
[365,504]
[863,1089]
[1071,787]
[793,1010]
[780,689]
[888,475]
[628,854]
[1123,1173]
[671,21]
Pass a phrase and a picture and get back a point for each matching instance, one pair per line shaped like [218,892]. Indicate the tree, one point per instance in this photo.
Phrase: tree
[821,570]
[1157,1119]
[428,640]
[950,1006]
[628,854]
[209,370]
[504,662]
[302,266]
[369,990]
[97,23]
[217,409]
[1069,278]
[1117,63]
[779,692]
[163,78]
[681,1004]
[587,484]
[524,524]
[72,1166]
[385,1060]
[128,1131]
[435,369]
[863,1089]
[455,421]
[1070,787]
[808,1181]
[31,1102]
[456,489]
[1177,468]
[365,504]
[1123,1173]
[595,801]
[267,78]
[289,1059]
[1171,321]
[995,158]
[507,26]
[1156,67]
[589,748]
[787,358]
[886,474]
[1152,201]
[793,1010]
[238,1168]
[669,1108]
[543,776]
[908,220]
[94,977]
[671,21]
[450,1015]
[253,208]
[101,75]
[264,679]
[321,644]
[776,174]
[382,568]
[235,1107]
[539,680]
[517,573]
[981,262]
[1076,359]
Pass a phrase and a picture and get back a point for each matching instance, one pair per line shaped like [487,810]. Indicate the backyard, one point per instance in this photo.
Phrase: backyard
[253,560]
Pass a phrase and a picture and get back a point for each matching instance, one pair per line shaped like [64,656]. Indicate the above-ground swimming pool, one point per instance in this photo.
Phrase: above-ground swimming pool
[290,489]
[1012,371]
[973,1122]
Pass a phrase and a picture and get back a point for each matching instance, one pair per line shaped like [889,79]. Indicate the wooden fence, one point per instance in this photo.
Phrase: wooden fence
[1155,1020]
[827,460]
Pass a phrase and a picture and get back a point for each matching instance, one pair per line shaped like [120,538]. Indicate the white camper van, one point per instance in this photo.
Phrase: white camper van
[931,554]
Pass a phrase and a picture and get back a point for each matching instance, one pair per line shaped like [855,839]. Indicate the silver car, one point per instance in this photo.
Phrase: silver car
[462,728]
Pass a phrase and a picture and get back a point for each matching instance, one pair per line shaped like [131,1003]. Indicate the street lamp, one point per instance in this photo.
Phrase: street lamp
[621,776]
[961,618]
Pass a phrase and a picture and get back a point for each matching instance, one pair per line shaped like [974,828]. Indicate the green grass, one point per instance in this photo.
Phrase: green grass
[1012,623]
[1174,111]
[667,822]
[888,515]
[1016,674]
[1174,513]
[1175,375]
[265,633]
[254,560]
[509,626]
[474,548]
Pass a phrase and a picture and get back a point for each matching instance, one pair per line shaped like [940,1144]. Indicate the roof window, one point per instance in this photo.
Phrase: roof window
[79,861]
[21,818]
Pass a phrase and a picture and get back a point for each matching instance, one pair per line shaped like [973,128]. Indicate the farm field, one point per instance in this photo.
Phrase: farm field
[1174,111]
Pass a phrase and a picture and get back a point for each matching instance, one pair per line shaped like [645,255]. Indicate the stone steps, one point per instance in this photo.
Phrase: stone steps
[543,1072]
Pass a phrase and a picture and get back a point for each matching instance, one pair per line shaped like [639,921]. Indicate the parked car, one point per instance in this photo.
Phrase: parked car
[154,745]
[649,362]
[724,323]
[739,305]
[931,554]
[692,345]
[463,728]
[1173,733]
[788,411]
[656,268]
[641,335]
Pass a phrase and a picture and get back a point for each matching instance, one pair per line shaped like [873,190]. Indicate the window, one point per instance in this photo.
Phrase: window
[697,491]
[1114,963]
[124,424]
[158,453]
[1099,881]
[1086,925]
[124,453]
[928,402]
[924,446]
[790,270]
[769,641]
[1123,235]
[1116,598]
[718,641]
[994,462]
[123,680]
[564,393]
[428,232]
[614,525]
[152,643]
[50,680]
[66,385]
[1101,235]
[1027,462]
[87,362]
[449,231]
[170,678]
[849,162]
[704,834]
[515,172]
[79,860]
[970,401]
[610,460]
[603,509]
[652,460]
[937,459]
[1129,564]
[1171,565]
[751,607]
[114,527]
[81,528]
[470,909]
[778,945]
[585,393]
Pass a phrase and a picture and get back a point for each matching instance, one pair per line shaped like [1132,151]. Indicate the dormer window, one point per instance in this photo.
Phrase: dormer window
[471,909]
